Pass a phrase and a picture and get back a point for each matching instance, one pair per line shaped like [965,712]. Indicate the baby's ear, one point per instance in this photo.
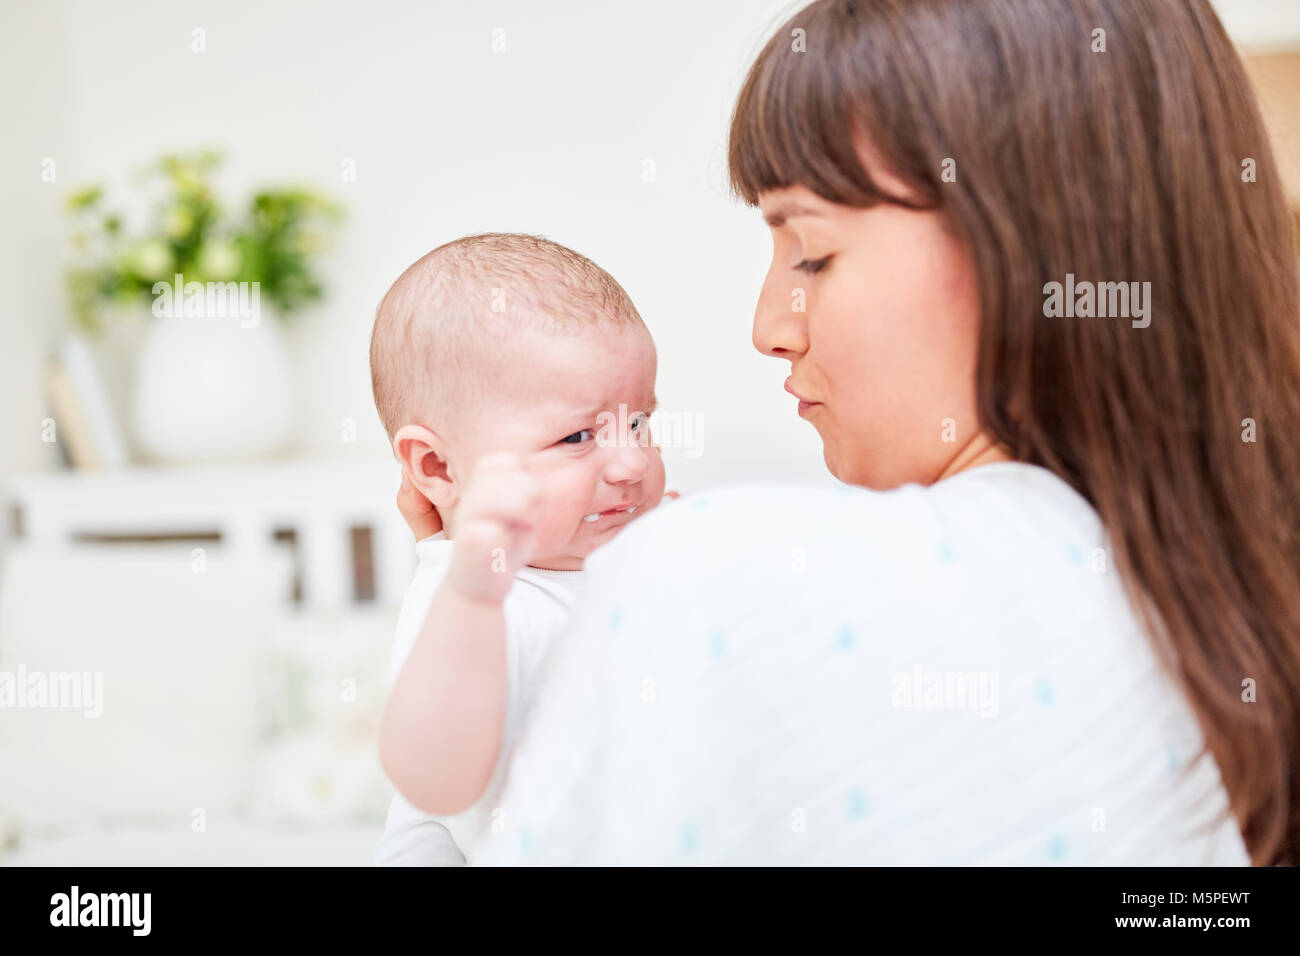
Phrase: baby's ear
[423,457]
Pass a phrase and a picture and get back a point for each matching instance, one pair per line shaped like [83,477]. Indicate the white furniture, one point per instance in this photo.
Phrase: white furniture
[203,718]
[320,501]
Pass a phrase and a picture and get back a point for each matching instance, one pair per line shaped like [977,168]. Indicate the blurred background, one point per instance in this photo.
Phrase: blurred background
[200,563]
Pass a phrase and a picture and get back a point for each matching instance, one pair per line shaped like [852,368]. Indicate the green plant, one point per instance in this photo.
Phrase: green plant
[273,242]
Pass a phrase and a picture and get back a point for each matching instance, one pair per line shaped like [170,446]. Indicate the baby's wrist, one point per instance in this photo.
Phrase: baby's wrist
[476,593]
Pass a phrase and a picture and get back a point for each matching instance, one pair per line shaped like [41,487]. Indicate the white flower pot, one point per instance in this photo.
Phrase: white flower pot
[212,389]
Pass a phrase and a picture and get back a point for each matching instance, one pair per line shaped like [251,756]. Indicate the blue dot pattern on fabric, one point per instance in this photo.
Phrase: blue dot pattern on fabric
[717,644]
[1075,552]
[614,618]
[1056,847]
[701,503]
[946,553]
[857,803]
[1045,693]
[690,838]
[846,638]
[1174,762]
[525,842]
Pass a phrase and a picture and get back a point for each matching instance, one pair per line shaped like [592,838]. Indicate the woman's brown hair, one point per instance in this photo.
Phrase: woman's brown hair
[1118,141]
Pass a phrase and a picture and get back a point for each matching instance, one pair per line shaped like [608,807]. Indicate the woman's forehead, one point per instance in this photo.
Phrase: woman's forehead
[787,202]
[791,202]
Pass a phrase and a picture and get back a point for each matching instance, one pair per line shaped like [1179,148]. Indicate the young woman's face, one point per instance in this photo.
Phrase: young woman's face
[877,312]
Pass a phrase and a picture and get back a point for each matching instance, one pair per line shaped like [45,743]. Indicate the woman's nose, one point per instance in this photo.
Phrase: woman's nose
[780,322]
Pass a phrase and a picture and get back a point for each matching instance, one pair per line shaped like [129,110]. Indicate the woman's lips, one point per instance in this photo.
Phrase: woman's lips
[805,405]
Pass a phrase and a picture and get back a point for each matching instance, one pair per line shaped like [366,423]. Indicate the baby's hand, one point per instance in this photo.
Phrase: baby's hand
[495,528]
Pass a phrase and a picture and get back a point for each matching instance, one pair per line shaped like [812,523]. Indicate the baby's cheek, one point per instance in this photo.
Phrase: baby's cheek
[560,525]
[655,481]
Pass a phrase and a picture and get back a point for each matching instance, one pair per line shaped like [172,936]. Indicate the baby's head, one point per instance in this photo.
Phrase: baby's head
[513,343]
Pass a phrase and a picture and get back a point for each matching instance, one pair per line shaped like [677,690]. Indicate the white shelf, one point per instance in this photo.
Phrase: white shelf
[320,500]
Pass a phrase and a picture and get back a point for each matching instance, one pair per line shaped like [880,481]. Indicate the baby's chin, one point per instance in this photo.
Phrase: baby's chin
[591,535]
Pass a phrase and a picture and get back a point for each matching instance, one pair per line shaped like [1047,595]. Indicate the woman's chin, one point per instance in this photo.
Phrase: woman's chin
[853,471]
[839,468]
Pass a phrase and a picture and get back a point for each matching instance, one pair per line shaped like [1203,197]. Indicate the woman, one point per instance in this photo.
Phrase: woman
[1059,620]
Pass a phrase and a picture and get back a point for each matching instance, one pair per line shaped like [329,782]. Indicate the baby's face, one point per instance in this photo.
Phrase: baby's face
[559,411]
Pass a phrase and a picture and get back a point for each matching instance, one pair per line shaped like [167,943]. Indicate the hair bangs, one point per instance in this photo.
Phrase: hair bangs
[793,125]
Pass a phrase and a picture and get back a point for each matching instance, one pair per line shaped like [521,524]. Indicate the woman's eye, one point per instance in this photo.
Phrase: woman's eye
[814,266]
[577,437]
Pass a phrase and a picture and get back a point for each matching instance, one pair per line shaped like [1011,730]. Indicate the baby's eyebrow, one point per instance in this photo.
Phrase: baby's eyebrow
[591,414]
[584,414]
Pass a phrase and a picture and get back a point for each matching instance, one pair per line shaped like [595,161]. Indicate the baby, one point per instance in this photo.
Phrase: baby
[515,379]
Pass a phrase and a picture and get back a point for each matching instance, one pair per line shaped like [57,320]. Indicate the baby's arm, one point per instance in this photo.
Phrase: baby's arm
[442,726]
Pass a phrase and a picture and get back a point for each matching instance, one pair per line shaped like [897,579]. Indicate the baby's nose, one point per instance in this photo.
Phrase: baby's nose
[627,464]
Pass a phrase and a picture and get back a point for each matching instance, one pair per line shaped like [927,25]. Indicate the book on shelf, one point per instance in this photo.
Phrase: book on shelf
[84,421]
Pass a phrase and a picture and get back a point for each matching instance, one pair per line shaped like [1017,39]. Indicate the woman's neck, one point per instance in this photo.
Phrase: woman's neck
[982,449]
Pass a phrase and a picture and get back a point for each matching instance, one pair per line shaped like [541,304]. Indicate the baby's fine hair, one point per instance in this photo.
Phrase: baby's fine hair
[455,307]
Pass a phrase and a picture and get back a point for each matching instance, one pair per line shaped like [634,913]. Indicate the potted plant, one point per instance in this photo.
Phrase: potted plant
[211,378]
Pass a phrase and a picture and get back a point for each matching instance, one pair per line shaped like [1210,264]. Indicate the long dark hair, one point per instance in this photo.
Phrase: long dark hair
[1117,140]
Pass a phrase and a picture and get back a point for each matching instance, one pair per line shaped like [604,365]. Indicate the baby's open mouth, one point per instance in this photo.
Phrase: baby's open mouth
[626,509]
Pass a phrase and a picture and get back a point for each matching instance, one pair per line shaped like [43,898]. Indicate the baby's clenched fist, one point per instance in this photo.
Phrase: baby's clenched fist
[496,528]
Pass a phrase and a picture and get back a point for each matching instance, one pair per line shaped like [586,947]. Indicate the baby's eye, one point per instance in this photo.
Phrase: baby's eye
[577,437]
[813,267]
[639,421]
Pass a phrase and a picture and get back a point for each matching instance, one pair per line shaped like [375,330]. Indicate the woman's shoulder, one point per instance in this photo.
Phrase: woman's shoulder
[1009,511]
[989,562]
[859,655]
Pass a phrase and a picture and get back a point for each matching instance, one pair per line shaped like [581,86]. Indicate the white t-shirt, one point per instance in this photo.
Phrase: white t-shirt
[536,608]
[931,675]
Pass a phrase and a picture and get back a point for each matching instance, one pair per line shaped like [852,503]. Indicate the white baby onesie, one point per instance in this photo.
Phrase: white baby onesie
[535,609]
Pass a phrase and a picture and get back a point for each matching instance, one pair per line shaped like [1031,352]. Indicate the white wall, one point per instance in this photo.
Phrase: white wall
[448,138]
[1261,24]
[35,91]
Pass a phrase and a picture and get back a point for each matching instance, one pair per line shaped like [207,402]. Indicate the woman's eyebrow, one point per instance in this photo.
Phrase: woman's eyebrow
[779,215]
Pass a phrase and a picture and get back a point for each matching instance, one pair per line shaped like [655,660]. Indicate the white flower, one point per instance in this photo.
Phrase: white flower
[150,259]
[220,259]
[178,222]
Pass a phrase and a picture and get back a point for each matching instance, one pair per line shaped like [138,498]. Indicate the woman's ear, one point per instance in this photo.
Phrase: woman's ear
[423,456]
